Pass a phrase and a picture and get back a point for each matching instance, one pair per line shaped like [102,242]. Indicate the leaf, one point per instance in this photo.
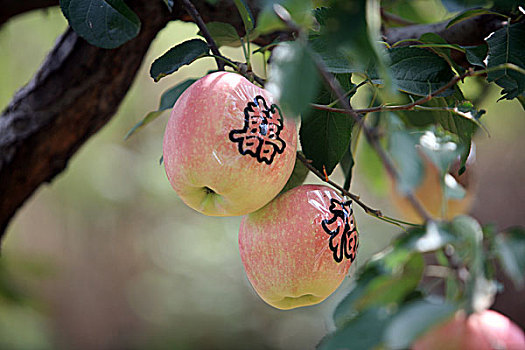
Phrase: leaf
[334,61]
[299,174]
[346,309]
[178,56]
[151,116]
[246,15]
[464,124]
[510,250]
[413,320]
[507,46]
[224,34]
[440,149]
[103,23]
[476,55]
[170,96]
[419,71]
[347,165]
[300,10]
[293,77]
[402,148]
[167,100]
[351,29]
[404,281]
[469,14]
[359,333]
[325,136]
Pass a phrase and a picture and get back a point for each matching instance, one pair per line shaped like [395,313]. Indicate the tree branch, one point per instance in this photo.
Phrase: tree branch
[472,31]
[190,8]
[76,91]
[11,8]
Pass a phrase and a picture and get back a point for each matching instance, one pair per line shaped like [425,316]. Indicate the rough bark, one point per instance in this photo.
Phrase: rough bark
[79,88]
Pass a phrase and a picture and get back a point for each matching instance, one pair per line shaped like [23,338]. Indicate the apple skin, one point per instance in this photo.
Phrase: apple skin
[203,143]
[486,330]
[430,195]
[286,251]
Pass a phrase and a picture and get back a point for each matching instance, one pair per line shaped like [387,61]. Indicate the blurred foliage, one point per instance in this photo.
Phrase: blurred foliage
[136,268]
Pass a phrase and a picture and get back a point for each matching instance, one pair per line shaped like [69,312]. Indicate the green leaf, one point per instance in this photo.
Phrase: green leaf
[404,281]
[469,14]
[334,60]
[441,47]
[464,123]
[402,147]
[359,333]
[325,136]
[521,99]
[224,34]
[299,174]
[151,116]
[293,77]
[178,56]
[103,23]
[476,55]
[170,96]
[167,100]
[300,10]
[419,71]
[346,309]
[510,249]
[246,15]
[413,320]
[507,46]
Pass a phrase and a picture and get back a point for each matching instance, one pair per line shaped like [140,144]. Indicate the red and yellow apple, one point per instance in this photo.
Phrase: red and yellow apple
[481,331]
[297,250]
[227,148]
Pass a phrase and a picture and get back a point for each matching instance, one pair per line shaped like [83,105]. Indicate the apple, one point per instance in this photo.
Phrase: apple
[481,331]
[297,250]
[227,149]
[430,194]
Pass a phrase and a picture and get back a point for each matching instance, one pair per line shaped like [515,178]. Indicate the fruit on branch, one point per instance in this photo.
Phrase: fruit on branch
[482,331]
[430,194]
[297,249]
[228,150]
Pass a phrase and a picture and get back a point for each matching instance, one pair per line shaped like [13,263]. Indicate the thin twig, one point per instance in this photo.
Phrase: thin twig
[192,11]
[405,107]
[354,197]
[334,85]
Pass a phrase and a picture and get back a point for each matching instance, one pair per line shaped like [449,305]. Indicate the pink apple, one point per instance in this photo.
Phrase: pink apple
[228,150]
[297,249]
[481,331]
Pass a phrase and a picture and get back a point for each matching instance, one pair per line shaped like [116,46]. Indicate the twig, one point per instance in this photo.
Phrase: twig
[406,107]
[334,85]
[354,197]
[190,8]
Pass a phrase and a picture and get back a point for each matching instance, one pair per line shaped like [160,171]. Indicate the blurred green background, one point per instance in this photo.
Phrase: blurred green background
[107,256]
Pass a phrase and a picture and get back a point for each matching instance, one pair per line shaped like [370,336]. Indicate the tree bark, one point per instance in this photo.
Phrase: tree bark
[11,8]
[79,88]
